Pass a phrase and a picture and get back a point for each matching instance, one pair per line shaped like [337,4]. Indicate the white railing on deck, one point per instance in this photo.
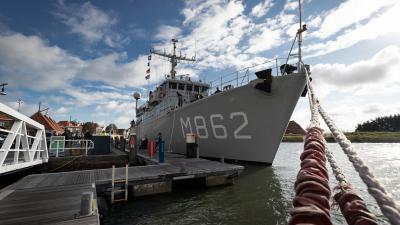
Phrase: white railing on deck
[19,149]
[244,76]
[67,146]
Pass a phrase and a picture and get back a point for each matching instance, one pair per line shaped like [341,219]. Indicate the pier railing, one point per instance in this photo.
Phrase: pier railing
[244,76]
[60,148]
[22,141]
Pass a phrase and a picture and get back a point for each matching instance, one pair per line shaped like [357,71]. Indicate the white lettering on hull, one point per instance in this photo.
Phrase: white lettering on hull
[186,125]
[219,130]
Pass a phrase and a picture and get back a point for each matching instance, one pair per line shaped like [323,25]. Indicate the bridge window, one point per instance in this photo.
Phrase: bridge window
[181,86]
[172,85]
[189,87]
[196,88]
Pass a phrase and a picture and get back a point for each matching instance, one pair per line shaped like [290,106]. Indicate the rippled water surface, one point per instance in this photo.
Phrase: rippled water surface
[261,195]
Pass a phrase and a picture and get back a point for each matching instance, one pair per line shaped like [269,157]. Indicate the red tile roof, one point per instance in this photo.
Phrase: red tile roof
[47,122]
[295,128]
[5,117]
[65,123]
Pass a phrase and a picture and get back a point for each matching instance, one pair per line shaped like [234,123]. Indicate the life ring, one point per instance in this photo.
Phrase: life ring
[161,94]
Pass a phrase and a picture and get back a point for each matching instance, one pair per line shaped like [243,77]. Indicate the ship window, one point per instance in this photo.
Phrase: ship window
[204,89]
[172,85]
[181,86]
[189,87]
[196,88]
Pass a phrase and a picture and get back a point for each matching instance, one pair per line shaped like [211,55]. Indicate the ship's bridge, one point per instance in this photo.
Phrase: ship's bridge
[174,92]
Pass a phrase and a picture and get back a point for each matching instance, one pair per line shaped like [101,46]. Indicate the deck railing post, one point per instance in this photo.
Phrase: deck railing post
[57,148]
[112,183]
[86,147]
[126,182]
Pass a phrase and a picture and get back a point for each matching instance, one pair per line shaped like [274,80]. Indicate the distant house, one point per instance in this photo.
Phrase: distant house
[5,121]
[74,127]
[120,131]
[295,128]
[49,124]
[99,129]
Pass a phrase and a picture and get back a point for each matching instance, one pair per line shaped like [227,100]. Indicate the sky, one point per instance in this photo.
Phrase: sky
[84,59]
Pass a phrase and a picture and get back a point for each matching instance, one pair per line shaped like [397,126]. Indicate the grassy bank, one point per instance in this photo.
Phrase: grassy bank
[367,137]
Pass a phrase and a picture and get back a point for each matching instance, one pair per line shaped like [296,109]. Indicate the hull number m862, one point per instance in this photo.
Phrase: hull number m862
[218,129]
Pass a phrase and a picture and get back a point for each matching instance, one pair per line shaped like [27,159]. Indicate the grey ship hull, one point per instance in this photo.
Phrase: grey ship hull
[243,123]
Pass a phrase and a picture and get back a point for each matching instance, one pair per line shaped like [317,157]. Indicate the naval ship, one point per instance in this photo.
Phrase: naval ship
[232,120]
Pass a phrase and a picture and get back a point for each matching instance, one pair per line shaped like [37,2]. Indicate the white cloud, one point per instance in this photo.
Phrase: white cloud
[25,108]
[61,111]
[270,34]
[382,24]
[262,8]
[220,29]
[356,92]
[90,22]
[166,33]
[28,61]
[350,13]
[291,5]
[83,97]
[264,41]
[117,111]
[380,68]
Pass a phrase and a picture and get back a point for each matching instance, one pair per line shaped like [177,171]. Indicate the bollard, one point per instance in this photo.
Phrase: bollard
[191,146]
[160,151]
[132,150]
[151,145]
[86,204]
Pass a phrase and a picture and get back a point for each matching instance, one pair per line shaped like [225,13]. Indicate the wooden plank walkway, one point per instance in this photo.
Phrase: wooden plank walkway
[191,166]
[55,198]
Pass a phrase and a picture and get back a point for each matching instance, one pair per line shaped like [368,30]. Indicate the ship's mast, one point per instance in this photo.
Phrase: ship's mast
[173,58]
[302,28]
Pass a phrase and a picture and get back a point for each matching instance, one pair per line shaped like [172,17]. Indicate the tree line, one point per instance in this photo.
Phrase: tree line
[384,123]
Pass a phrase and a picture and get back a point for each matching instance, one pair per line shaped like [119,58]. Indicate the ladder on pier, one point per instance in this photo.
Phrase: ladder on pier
[117,184]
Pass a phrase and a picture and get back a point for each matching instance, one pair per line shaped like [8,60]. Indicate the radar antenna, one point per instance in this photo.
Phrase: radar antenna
[173,58]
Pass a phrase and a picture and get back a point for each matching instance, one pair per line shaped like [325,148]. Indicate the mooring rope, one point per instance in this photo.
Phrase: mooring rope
[351,205]
[311,203]
[386,203]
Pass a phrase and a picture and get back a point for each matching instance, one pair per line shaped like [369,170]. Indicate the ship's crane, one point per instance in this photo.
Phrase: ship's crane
[173,58]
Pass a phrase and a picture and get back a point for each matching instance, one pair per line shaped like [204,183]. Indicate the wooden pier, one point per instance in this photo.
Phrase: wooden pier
[55,198]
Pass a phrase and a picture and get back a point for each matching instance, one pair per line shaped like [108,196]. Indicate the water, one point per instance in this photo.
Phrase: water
[262,195]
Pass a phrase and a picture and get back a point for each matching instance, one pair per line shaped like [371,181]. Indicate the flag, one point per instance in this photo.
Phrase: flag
[147,76]
[149,57]
[148,70]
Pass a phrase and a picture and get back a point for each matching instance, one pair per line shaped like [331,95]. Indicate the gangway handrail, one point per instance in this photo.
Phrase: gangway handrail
[33,147]
[88,145]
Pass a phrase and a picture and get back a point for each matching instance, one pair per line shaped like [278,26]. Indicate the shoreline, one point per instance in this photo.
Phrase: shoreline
[355,137]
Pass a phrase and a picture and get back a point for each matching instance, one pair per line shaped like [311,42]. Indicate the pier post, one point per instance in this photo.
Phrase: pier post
[86,204]
[161,151]
[132,150]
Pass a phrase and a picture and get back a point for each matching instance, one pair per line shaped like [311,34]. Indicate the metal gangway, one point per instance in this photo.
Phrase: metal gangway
[23,142]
